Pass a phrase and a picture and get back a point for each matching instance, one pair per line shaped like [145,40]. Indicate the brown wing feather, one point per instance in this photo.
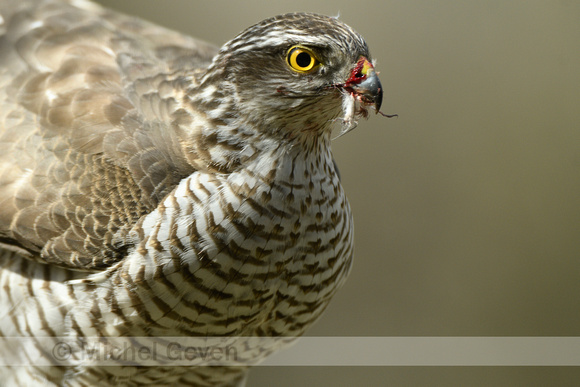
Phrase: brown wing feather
[87,146]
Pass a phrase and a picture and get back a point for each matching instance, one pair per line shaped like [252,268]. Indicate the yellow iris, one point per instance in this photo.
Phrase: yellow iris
[301,59]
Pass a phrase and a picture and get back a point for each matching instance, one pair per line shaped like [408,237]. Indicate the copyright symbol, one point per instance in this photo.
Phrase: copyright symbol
[61,351]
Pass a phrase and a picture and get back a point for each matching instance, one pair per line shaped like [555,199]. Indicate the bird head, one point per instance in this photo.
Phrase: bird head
[296,74]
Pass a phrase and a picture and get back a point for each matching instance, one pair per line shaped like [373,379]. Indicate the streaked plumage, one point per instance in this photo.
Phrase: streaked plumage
[151,185]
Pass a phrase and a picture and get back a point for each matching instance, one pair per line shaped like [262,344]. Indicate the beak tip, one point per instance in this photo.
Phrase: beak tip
[372,90]
[378,99]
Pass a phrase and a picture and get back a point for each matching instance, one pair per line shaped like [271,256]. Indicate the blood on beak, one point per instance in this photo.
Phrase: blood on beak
[364,83]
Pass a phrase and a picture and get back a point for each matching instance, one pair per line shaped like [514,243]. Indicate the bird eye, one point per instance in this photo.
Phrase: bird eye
[301,59]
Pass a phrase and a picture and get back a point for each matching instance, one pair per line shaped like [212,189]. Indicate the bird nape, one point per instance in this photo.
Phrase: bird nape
[153,186]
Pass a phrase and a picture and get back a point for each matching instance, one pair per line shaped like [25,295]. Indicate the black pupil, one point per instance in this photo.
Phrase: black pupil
[303,59]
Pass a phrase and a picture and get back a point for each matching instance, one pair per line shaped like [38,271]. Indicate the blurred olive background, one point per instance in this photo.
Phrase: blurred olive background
[467,206]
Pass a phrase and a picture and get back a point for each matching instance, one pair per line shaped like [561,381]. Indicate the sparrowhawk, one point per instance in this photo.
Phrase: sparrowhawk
[154,185]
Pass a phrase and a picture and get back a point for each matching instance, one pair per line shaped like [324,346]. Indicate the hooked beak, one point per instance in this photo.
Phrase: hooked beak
[364,84]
